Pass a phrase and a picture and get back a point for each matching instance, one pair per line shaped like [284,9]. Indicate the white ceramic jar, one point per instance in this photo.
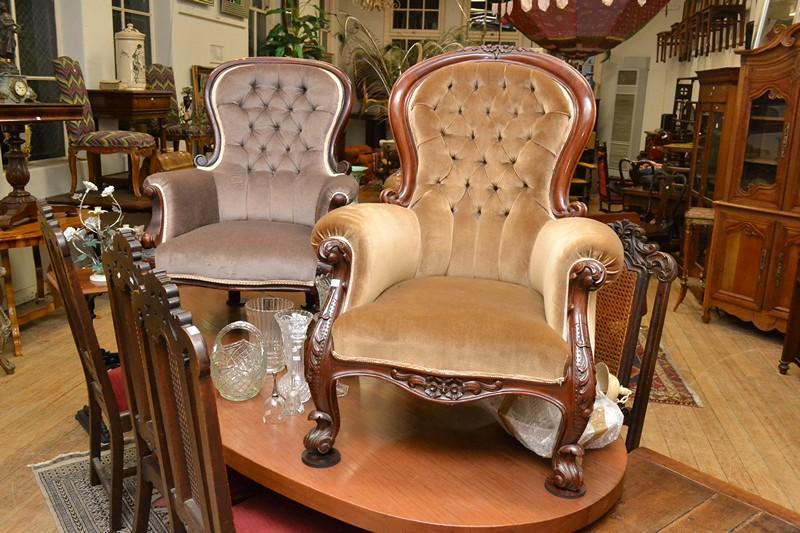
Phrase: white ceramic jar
[129,45]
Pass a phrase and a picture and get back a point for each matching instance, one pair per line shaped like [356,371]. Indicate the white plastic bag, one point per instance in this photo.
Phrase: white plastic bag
[534,422]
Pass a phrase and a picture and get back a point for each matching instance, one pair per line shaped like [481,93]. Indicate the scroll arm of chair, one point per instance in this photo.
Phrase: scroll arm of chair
[339,190]
[370,247]
[182,200]
[566,248]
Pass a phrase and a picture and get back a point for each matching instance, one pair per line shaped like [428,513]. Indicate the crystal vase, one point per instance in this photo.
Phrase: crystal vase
[293,385]
[261,313]
[238,368]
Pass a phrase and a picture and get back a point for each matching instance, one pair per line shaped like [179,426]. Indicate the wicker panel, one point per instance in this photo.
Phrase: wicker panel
[614,309]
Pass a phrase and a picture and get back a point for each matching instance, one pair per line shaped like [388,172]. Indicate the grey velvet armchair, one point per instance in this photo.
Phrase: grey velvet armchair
[242,219]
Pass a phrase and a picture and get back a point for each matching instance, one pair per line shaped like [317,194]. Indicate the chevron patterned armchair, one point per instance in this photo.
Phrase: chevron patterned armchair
[476,280]
[84,137]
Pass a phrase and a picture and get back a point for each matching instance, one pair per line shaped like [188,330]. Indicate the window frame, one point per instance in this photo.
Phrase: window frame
[393,33]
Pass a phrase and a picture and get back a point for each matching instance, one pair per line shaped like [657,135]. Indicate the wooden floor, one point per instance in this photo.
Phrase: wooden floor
[747,433]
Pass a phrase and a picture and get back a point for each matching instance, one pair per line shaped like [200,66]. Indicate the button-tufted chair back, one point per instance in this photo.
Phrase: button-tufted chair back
[276,121]
[488,139]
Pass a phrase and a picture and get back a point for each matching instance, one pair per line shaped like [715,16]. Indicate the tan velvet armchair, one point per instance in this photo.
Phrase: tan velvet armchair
[475,280]
[242,220]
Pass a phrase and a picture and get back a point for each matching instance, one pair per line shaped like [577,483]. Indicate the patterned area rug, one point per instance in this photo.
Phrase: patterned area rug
[668,385]
[79,507]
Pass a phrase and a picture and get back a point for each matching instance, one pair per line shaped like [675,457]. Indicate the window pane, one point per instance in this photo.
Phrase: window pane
[138,5]
[37,37]
[141,23]
[415,4]
[399,20]
[47,140]
[117,15]
[251,47]
[116,3]
[432,20]
[432,4]
[257,4]
[415,20]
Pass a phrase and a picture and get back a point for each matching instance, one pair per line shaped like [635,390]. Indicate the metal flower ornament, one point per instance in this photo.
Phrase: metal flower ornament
[93,238]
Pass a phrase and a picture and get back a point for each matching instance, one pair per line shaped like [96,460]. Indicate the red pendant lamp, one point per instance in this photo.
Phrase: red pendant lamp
[577,29]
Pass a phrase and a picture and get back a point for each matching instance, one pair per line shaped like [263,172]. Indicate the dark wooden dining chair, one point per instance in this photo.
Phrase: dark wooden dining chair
[183,412]
[621,307]
[105,388]
[123,265]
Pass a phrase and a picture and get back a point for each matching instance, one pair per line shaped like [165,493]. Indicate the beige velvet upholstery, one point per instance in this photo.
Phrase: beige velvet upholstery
[473,275]
[385,246]
[487,136]
[275,120]
[456,326]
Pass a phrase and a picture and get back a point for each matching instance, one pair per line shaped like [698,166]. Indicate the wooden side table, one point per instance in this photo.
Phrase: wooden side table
[696,219]
[791,343]
[25,236]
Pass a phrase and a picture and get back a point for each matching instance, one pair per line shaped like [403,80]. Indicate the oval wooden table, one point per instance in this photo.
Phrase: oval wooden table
[410,465]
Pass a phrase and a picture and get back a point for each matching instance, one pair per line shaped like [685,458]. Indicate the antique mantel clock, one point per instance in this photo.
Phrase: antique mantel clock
[14,89]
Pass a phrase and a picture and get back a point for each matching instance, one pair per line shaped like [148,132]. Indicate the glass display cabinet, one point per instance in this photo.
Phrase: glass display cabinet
[755,246]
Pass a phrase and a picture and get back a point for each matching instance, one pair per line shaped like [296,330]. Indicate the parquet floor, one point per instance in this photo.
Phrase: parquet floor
[747,433]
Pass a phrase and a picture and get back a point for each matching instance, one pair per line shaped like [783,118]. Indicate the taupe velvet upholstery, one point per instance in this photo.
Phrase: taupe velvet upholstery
[455,326]
[276,120]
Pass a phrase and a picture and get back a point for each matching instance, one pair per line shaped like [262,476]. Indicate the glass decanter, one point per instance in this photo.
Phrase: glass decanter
[293,386]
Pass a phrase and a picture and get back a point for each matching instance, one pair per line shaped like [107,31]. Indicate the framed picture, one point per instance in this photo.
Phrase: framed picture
[199,78]
[237,8]
[776,16]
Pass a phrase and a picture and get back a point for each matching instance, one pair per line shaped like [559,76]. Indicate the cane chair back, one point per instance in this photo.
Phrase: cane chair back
[621,307]
[184,407]
[122,265]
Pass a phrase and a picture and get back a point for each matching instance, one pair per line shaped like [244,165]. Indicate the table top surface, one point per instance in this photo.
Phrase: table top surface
[407,461]
[87,287]
[131,92]
[31,231]
[26,113]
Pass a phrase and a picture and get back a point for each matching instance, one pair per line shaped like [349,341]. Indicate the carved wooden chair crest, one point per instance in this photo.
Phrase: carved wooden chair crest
[475,280]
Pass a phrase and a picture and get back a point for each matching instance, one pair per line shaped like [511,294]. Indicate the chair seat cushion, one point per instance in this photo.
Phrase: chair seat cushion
[244,252]
[118,386]
[455,326]
[117,139]
[277,514]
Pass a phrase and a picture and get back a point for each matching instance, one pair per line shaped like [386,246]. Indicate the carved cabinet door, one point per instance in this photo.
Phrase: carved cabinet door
[742,257]
[783,269]
[764,145]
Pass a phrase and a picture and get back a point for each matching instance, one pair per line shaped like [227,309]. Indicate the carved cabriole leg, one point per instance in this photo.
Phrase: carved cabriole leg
[319,362]
[72,157]
[566,480]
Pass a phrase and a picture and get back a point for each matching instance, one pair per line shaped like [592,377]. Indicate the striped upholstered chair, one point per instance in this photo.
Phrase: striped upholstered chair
[161,78]
[83,136]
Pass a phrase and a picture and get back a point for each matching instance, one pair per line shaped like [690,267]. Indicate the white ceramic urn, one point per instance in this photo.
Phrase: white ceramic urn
[129,44]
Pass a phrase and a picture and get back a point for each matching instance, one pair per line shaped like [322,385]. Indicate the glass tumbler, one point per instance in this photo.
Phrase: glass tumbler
[261,313]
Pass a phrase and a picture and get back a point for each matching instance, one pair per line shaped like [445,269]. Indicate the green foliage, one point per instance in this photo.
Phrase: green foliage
[297,35]
[376,67]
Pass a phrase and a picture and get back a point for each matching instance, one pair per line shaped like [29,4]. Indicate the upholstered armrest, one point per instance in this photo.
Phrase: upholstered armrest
[560,247]
[339,190]
[182,201]
[379,244]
